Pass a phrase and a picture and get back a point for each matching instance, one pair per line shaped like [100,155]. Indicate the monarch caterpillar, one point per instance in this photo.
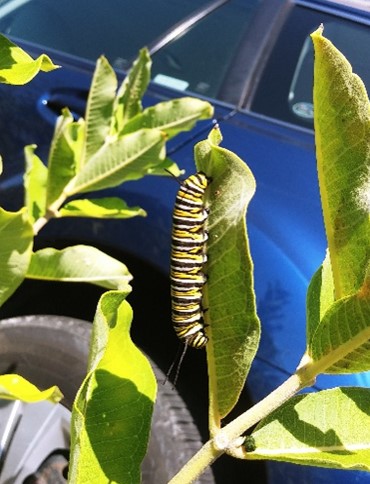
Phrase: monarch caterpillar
[188,257]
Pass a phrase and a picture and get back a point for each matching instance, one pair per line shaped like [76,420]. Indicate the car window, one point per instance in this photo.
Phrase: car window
[195,59]
[89,28]
[347,38]
[285,90]
[199,60]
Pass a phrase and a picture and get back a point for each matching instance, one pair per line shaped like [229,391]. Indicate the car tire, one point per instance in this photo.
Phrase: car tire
[53,350]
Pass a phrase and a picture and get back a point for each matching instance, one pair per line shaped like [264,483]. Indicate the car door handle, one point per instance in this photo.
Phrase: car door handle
[54,102]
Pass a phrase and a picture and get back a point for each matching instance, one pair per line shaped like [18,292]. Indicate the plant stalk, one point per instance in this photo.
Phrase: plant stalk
[225,438]
[228,434]
[41,222]
[197,464]
[51,212]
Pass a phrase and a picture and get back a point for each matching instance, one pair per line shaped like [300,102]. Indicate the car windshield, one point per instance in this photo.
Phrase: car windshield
[192,41]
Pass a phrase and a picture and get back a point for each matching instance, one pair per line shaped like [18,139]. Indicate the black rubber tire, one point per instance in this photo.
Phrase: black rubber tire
[53,350]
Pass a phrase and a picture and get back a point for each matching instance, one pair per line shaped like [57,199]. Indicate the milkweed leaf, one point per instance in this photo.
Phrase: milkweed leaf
[79,263]
[111,207]
[35,182]
[328,429]
[342,138]
[17,67]
[15,387]
[233,325]
[16,240]
[112,411]
[99,107]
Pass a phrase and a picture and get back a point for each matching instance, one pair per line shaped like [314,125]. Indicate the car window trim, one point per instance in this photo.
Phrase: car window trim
[335,11]
[338,9]
[184,25]
[269,18]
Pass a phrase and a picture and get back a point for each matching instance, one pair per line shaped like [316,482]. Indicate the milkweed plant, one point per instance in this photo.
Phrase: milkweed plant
[338,296]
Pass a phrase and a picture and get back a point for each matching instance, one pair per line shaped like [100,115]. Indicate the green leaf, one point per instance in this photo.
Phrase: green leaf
[127,158]
[327,429]
[99,106]
[166,168]
[17,67]
[112,411]
[128,100]
[343,336]
[80,263]
[234,328]
[35,180]
[16,239]
[320,296]
[15,387]
[172,117]
[342,134]
[100,208]
[65,155]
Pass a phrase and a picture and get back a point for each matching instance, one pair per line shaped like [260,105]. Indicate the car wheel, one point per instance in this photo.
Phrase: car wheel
[53,350]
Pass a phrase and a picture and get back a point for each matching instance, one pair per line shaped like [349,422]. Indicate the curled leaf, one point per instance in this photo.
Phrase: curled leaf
[15,387]
[231,320]
[17,67]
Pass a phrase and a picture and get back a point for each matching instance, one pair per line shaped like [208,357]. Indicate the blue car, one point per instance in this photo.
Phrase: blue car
[253,60]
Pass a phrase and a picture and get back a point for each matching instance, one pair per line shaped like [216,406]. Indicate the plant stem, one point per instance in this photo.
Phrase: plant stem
[227,435]
[41,222]
[51,212]
[197,464]
[225,438]
[275,399]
